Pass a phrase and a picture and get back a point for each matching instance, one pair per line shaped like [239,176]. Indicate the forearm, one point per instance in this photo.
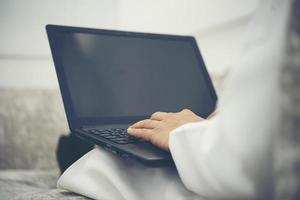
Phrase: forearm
[212,164]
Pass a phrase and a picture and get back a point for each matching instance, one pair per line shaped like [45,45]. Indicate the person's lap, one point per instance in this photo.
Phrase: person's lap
[102,175]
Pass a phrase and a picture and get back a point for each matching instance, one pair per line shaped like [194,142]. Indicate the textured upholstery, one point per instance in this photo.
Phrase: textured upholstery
[32,184]
[31,121]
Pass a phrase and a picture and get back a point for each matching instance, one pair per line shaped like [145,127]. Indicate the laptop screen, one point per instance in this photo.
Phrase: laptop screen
[123,75]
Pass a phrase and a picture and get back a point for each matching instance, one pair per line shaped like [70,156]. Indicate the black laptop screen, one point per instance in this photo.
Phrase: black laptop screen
[124,75]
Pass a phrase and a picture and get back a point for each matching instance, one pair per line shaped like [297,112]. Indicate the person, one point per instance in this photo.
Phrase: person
[227,156]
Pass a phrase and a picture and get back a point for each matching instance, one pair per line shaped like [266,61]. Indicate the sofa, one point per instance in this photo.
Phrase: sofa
[33,134]
[36,146]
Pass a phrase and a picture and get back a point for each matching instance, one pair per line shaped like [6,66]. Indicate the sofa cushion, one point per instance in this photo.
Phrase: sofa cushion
[31,121]
[32,184]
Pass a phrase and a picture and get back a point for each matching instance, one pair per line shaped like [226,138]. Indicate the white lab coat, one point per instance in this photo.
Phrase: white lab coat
[227,157]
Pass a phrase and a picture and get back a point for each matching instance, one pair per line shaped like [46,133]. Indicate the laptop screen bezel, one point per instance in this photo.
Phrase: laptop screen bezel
[77,122]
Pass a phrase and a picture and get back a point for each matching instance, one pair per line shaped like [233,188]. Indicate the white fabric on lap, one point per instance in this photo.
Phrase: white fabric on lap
[101,175]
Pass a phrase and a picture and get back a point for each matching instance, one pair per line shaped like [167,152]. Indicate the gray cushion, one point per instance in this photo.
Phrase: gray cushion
[31,184]
[31,121]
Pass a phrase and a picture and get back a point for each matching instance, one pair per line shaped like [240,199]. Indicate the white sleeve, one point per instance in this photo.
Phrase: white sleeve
[230,156]
[214,164]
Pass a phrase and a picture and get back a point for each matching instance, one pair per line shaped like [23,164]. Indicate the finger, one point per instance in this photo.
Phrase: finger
[159,116]
[147,123]
[145,134]
[186,111]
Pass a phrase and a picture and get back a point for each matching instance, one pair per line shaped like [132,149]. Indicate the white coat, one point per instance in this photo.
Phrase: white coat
[227,157]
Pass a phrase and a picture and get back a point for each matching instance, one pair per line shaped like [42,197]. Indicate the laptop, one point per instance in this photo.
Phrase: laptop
[111,79]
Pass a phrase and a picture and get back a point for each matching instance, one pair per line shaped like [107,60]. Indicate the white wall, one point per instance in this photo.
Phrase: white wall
[25,59]
[181,17]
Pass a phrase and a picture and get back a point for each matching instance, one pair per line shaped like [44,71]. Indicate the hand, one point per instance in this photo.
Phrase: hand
[157,129]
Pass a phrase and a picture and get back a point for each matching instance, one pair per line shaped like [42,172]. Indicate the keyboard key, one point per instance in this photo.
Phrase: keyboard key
[94,131]
[122,142]
[105,132]
[110,137]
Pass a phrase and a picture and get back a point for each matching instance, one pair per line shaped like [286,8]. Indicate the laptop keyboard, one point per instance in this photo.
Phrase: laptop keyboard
[117,135]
